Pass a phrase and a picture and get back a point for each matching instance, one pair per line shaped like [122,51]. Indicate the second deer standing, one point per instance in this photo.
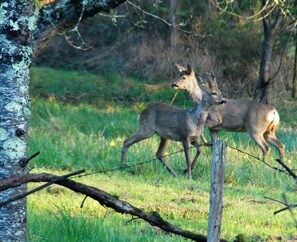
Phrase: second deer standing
[258,119]
[172,123]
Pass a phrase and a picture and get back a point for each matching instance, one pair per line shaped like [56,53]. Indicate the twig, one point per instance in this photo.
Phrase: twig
[75,30]
[83,202]
[25,161]
[164,21]
[285,208]
[272,199]
[290,209]
[132,219]
[287,169]
[174,97]
[260,12]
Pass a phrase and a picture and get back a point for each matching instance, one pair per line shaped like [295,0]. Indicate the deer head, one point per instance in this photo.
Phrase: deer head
[187,81]
[211,92]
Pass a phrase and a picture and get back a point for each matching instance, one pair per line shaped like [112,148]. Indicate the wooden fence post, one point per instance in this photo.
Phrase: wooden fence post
[216,191]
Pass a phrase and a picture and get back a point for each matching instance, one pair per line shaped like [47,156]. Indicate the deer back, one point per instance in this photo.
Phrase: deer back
[240,115]
[168,121]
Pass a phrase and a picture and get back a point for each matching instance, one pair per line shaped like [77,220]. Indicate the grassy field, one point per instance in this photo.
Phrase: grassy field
[80,120]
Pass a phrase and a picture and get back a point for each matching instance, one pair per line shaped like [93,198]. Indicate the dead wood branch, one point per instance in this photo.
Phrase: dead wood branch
[59,178]
[104,199]
[288,169]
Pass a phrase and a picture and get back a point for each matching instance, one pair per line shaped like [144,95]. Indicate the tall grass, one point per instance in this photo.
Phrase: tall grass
[85,134]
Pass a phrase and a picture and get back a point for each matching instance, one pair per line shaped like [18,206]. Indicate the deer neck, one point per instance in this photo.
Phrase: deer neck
[195,93]
[200,112]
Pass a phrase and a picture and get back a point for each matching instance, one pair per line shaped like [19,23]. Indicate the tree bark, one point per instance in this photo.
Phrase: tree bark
[16,25]
[105,200]
[64,15]
[173,34]
[261,92]
[294,90]
[263,83]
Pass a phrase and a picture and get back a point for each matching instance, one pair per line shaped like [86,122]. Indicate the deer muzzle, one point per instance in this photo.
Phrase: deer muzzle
[174,85]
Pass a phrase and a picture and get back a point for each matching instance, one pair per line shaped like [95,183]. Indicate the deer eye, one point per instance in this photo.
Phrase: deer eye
[214,93]
[184,78]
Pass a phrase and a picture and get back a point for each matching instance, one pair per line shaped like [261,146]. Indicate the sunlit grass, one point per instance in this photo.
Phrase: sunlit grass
[78,135]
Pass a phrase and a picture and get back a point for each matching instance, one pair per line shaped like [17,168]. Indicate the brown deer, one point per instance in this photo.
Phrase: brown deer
[258,119]
[172,123]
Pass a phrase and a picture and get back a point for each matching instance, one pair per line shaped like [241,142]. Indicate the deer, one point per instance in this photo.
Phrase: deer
[258,119]
[172,123]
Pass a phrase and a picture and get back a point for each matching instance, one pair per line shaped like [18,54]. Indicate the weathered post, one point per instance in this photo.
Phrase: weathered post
[216,191]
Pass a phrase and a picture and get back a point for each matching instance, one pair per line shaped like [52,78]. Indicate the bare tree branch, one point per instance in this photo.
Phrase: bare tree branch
[256,17]
[55,18]
[104,199]
[20,196]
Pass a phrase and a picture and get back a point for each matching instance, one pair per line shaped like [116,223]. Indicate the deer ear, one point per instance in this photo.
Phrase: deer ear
[179,67]
[213,79]
[201,81]
[205,81]
[190,69]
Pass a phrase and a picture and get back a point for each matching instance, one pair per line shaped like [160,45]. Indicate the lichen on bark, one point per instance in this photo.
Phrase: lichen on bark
[17,21]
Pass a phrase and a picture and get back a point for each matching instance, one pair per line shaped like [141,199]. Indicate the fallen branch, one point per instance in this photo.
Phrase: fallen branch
[291,173]
[59,178]
[104,199]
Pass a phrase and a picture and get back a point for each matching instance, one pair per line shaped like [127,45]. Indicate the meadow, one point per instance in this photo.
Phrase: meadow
[80,120]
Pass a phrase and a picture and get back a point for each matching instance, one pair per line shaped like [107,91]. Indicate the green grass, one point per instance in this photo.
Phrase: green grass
[87,132]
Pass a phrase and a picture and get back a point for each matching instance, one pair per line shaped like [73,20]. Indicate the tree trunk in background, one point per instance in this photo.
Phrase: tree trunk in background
[294,91]
[262,86]
[16,25]
[173,34]
[263,83]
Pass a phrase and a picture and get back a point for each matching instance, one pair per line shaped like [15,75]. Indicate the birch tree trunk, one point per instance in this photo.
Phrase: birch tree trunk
[17,22]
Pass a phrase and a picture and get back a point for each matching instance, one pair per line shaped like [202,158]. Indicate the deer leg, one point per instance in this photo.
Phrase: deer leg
[132,140]
[272,139]
[199,151]
[204,140]
[186,145]
[259,139]
[160,155]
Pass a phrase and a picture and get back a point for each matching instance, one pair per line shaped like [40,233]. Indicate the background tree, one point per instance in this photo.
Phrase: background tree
[272,20]
[174,33]
[294,89]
